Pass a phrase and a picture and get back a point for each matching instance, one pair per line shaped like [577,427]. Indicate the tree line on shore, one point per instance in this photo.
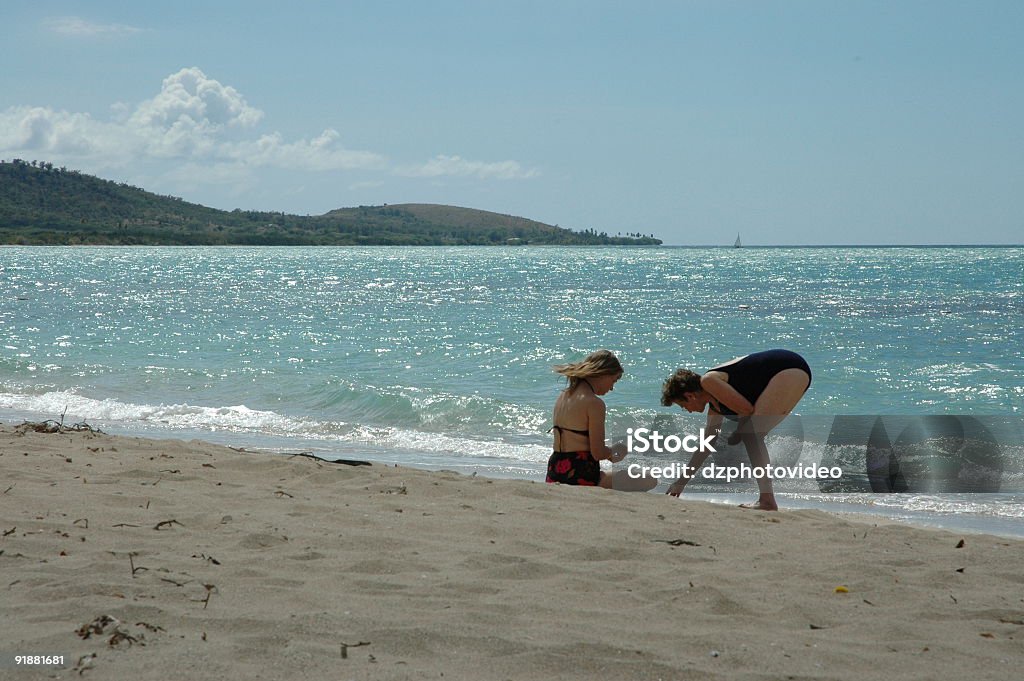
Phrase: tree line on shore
[44,204]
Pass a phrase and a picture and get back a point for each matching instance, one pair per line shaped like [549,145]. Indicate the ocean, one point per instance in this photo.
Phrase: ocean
[441,358]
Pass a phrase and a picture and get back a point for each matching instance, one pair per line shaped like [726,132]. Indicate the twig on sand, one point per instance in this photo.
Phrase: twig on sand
[346,646]
[210,589]
[342,462]
[683,542]
[131,561]
[167,523]
[119,636]
[676,542]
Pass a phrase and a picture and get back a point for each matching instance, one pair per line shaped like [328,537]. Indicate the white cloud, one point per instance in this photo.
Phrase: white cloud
[194,122]
[189,113]
[193,119]
[43,131]
[323,152]
[456,166]
[191,97]
[76,26]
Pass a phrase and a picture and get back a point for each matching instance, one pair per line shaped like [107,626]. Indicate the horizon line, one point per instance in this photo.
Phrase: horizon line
[870,245]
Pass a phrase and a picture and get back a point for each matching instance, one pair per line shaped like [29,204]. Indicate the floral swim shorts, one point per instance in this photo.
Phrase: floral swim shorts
[574,468]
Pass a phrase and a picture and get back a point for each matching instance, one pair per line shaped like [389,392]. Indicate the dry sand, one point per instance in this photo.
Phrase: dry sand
[257,566]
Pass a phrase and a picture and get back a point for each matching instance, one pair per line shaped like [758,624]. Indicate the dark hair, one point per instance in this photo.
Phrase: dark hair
[678,384]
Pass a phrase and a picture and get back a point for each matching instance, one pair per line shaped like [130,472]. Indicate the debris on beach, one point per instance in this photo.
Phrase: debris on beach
[98,626]
[51,426]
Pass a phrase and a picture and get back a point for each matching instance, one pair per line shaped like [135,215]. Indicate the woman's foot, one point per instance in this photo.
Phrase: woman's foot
[765,502]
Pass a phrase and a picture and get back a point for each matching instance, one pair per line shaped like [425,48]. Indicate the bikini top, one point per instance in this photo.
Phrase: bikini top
[573,430]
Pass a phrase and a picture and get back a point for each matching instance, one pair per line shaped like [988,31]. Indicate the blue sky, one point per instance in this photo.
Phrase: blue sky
[799,122]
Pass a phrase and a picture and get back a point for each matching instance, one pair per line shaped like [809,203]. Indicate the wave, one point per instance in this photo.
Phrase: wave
[77,407]
[263,425]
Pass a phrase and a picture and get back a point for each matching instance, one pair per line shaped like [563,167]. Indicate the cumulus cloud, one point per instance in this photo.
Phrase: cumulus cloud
[197,121]
[456,166]
[44,131]
[191,97]
[194,118]
[188,115]
[76,26]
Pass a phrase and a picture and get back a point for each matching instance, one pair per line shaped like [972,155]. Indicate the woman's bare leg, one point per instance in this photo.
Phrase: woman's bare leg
[757,452]
[779,397]
[773,405]
[623,482]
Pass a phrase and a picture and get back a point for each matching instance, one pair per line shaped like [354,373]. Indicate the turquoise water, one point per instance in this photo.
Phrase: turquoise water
[440,357]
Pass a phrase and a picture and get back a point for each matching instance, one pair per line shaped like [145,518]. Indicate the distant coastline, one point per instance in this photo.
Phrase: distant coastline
[44,205]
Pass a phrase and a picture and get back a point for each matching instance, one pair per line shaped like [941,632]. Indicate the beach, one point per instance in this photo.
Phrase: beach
[441,358]
[163,559]
[301,310]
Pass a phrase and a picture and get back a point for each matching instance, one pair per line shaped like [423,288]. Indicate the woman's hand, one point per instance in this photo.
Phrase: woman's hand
[618,452]
[676,488]
[745,426]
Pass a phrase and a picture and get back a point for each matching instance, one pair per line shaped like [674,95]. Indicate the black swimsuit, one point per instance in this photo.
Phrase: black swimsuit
[750,376]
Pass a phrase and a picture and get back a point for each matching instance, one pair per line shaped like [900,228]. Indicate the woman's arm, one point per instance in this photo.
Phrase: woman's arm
[716,384]
[595,423]
[714,422]
[713,425]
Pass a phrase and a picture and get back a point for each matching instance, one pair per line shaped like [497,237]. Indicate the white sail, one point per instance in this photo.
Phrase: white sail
[737,244]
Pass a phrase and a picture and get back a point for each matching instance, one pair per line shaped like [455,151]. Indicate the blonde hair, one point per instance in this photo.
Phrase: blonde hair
[599,363]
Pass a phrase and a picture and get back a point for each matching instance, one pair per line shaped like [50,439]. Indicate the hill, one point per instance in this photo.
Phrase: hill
[41,204]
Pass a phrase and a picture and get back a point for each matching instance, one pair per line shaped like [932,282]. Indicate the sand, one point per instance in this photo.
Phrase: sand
[164,559]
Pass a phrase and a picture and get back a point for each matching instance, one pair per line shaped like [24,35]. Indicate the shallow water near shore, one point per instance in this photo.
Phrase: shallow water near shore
[440,357]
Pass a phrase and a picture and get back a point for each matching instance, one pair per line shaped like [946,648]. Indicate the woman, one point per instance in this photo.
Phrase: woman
[579,417]
[758,390]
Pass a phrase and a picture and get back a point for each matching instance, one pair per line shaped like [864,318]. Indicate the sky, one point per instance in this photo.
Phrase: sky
[810,122]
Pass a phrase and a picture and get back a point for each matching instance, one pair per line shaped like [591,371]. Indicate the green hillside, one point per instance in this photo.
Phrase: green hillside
[41,204]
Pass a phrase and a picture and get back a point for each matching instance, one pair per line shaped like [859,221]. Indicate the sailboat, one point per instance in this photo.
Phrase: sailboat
[737,244]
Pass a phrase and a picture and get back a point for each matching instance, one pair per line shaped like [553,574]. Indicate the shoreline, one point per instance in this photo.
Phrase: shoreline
[223,564]
[854,506]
